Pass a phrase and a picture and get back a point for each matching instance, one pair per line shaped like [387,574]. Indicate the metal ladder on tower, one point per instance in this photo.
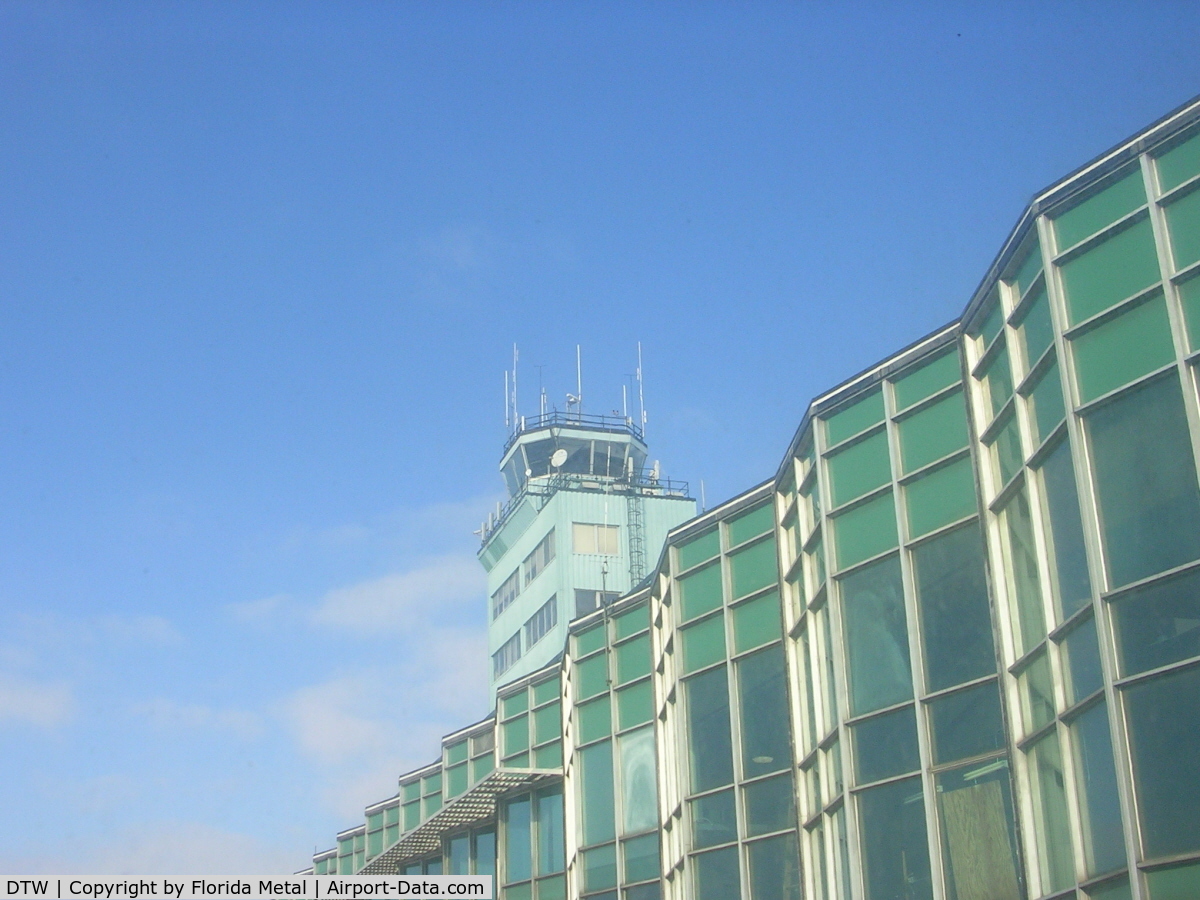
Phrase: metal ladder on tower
[635,509]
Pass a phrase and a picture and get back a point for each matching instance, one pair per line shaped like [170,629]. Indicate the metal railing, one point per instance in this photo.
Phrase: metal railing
[556,419]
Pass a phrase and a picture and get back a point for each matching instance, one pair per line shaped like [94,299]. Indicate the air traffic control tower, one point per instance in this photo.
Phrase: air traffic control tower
[582,515]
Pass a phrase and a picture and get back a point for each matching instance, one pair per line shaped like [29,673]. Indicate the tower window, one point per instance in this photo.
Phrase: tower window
[506,657]
[541,622]
[596,539]
[506,593]
[542,556]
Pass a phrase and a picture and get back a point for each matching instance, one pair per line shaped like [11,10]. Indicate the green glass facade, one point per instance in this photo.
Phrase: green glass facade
[949,651]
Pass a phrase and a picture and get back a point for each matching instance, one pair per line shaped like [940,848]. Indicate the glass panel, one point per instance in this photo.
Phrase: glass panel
[1083,662]
[1037,693]
[762,691]
[934,432]
[1179,164]
[967,723]
[1183,224]
[992,323]
[956,621]
[876,636]
[635,705]
[775,868]
[545,691]
[600,868]
[458,855]
[714,820]
[1030,268]
[979,853]
[698,549]
[639,783]
[1096,776]
[757,622]
[894,849]
[753,568]
[518,851]
[1159,624]
[633,659]
[456,753]
[519,892]
[589,641]
[1021,559]
[412,815]
[591,676]
[941,497]
[516,735]
[866,531]
[1175,883]
[703,643]
[1053,830]
[1046,398]
[710,746]
[1189,295]
[641,858]
[632,622]
[1006,451]
[751,524]
[769,805]
[859,468]
[1146,482]
[643,892]
[717,876]
[480,767]
[1115,890]
[456,780]
[595,720]
[1100,210]
[485,852]
[596,793]
[1165,743]
[886,745]
[549,756]
[1117,268]
[700,592]
[553,888]
[1067,552]
[930,378]
[1037,329]
[552,855]
[547,723]
[515,704]
[997,382]
[1123,349]
[859,416]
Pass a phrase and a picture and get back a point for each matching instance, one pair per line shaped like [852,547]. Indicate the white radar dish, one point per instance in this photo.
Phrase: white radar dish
[558,458]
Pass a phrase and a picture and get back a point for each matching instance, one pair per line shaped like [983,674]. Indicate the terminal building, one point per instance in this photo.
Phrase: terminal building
[948,650]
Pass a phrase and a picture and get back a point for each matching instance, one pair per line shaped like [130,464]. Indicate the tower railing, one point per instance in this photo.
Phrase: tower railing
[557,419]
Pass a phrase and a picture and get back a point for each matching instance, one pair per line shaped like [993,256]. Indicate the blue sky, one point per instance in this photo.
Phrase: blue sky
[261,270]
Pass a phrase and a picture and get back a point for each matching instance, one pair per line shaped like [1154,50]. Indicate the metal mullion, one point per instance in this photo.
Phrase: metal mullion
[735,707]
[916,653]
[908,478]
[925,402]
[1094,549]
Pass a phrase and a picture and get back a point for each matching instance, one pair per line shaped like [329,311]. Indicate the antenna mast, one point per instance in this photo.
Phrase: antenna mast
[578,382]
[516,420]
[641,398]
[507,427]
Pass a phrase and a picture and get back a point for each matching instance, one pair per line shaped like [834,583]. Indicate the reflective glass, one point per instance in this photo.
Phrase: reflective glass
[714,820]
[552,852]
[934,432]
[979,848]
[769,805]
[941,497]
[876,636]
[992,322]
[762,694]
[1067,550]
[757,622]
[894,849]
[1159,624]
[589,641]
[485,852]
[1085,675]
[700,592]
[1165,743]
[956,621]
[858,416]
[775,868]
[596,793]
[698,549]
[1096,776]
[553,888]
[751,524]
[717,875]
[1037,329]
[703,643]
[549,756]
[516,735]
[1175,883]
[1047,401]
[1189,296]
[886,745]
[1119,890]
[1101,209]
[1053,829]
[1029,269]
[591,676]
[753,568]
[651,891]
[967,723]
[1021,557]
[1037,693]
[710,746]
[859,468]
[917,384]
[600,869]
[866,531]
[631,622]
[545,691]
[641,858]
[1179,164]
[1006,451]
[1145,482]
[1183,224]
[635,705]
[633,659]
[1123,349]
[1117,268]
[997,381]
[547,723]
[595,720]
[639,784]
[518,849]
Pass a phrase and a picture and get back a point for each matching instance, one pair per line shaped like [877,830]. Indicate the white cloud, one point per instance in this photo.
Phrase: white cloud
[438,591]
[171,716]
[258,610]
[32,703]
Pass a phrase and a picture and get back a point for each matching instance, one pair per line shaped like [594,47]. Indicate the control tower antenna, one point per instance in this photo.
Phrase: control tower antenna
[516,417]
[541,392]
[578,381]
[507,427]
[641,397]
